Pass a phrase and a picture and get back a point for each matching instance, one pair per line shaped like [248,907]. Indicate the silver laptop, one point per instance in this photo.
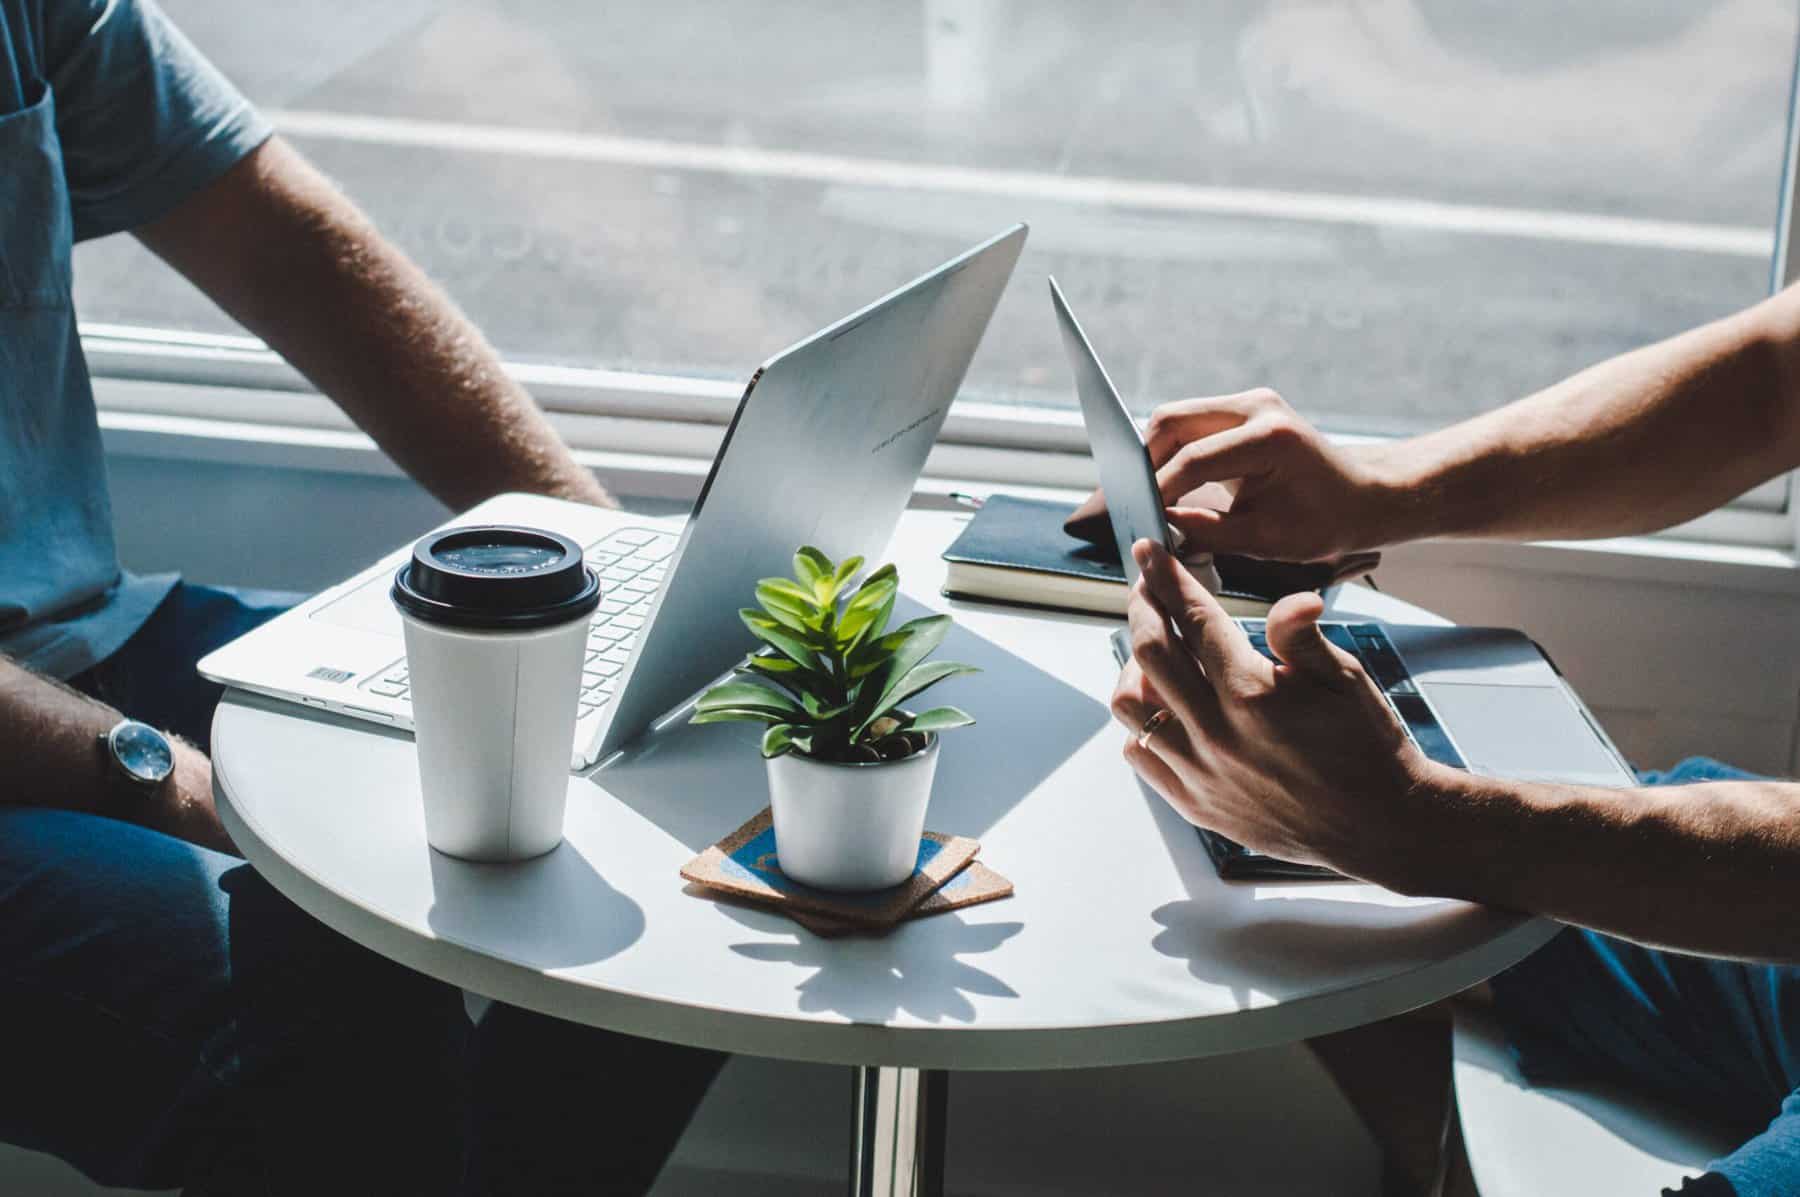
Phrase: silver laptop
[1483,699]
[825,448]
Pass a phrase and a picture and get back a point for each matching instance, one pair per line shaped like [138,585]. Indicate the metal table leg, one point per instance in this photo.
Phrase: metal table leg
[897,1132]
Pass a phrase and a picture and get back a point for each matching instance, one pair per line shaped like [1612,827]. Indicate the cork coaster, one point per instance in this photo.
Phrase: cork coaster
[974,885]
[743,864]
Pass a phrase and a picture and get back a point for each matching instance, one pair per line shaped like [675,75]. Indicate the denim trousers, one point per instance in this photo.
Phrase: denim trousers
[1716,1036]
[167,1019]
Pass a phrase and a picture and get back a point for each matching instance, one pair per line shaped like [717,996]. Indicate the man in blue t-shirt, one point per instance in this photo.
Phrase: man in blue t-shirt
[165,1018]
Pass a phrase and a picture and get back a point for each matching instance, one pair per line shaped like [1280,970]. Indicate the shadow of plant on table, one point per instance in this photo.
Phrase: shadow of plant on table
[917,970]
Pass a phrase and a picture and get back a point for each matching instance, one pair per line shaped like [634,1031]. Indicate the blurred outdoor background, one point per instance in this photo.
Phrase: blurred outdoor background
[1395,211]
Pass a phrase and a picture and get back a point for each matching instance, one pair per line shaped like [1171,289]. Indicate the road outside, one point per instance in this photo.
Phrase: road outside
[1397,212]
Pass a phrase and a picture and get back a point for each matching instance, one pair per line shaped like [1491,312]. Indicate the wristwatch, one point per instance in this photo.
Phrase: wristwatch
[138,753]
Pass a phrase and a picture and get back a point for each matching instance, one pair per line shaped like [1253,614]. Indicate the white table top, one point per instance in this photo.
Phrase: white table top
[1120,945]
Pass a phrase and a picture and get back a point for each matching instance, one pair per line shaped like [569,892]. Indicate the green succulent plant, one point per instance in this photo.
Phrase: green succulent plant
[830,679]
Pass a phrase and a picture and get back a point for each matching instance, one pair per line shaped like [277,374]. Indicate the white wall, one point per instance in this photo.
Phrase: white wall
[284,529]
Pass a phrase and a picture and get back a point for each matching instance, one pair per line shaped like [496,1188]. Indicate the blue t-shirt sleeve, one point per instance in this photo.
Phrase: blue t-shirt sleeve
[143,118]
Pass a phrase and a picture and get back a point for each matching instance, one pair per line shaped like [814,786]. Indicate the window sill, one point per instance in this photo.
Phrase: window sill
[1652,560]
[676,476]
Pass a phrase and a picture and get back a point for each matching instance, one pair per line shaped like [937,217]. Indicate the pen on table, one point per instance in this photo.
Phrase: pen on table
[972,502]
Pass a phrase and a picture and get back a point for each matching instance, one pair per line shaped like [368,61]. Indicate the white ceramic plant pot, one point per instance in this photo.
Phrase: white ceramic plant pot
[850,827]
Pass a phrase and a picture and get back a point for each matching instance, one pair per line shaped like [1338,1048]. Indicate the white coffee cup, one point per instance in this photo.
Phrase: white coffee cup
[496,623]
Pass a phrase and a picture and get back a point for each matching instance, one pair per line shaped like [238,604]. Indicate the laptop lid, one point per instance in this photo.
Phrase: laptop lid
[1133,500]
[824,449]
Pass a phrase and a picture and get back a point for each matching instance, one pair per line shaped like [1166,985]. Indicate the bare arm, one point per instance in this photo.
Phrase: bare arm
[1649,439]
[1644,441]
[1709,868]
[50,739]
[286,254]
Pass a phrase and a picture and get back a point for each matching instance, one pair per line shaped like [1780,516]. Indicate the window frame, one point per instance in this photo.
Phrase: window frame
[680,421]
[674,424]
[1784,263]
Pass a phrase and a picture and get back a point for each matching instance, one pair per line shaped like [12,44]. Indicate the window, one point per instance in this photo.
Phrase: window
[1397,213]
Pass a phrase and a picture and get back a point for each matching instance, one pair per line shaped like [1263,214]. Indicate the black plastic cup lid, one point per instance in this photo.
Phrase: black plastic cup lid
[496,576]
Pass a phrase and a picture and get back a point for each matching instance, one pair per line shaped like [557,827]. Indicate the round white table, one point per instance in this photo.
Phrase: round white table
[1120,945]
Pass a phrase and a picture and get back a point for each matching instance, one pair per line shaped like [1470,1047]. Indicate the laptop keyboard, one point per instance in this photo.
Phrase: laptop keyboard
[1369,643]
[631,563]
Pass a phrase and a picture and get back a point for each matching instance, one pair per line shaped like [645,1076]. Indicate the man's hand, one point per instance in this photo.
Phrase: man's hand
[1302,760]
[1296,497]
[1585,457]
[183,805]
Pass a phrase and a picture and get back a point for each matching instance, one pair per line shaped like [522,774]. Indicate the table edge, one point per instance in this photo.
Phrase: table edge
[815,1041]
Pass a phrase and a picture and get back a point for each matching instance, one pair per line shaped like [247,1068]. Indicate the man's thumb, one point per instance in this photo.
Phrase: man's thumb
[1297,642]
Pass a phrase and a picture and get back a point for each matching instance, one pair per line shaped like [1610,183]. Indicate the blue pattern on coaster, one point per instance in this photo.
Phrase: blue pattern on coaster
[961,881]
[756,860]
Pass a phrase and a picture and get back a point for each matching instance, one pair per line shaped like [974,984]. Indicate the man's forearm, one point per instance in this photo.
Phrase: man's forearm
[1629,862]
[50,743]
[283,251]
[1638,443]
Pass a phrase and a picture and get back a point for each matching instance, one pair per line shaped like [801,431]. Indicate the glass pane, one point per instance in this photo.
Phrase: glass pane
[1396,213]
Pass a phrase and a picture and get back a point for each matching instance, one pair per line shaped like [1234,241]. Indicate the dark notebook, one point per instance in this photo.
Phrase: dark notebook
[1015,551]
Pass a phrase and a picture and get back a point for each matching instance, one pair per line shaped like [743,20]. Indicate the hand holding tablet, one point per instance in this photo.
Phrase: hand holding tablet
[1134,504]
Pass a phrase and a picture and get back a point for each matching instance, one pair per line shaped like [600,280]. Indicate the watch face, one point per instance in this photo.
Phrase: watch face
[143,752]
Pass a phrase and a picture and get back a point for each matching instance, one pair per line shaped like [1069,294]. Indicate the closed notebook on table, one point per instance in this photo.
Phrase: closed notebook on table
[1015,551]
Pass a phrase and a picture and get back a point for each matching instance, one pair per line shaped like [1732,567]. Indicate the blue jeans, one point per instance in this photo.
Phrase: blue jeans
[1719,1037]
[167,1018]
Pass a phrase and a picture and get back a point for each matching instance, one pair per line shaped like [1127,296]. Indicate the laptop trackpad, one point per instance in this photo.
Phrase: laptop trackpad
[1528,733]
[365,609]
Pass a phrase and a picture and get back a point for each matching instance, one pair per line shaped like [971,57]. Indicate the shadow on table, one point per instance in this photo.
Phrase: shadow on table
[1282,946]
[1279,938]
[700,783]
[874,979]
[488,904]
